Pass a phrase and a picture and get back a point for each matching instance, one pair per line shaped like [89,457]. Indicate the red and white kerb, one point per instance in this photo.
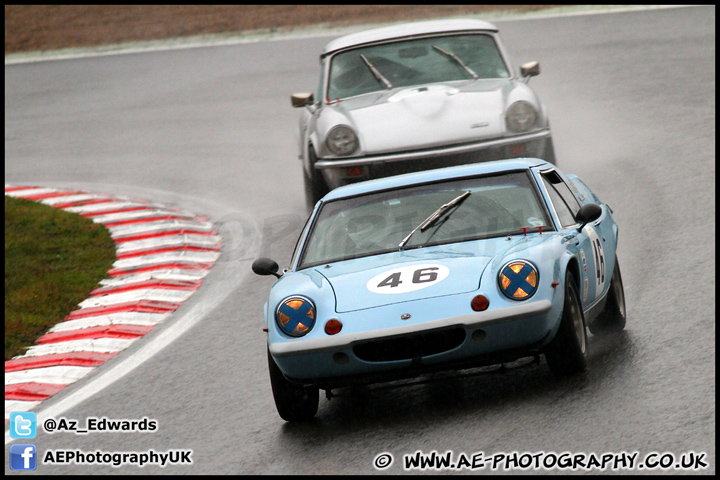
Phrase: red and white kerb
[162,256]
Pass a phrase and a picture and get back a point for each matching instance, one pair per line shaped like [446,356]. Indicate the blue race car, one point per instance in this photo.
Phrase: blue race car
[444,269]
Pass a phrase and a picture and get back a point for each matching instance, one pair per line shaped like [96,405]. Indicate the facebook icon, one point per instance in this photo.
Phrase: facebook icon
[23,456]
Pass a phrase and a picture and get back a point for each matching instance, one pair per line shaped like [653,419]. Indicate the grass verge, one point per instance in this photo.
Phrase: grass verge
[53,260]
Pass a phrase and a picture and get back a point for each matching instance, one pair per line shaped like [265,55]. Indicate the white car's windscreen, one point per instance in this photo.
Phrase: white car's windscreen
[414,62]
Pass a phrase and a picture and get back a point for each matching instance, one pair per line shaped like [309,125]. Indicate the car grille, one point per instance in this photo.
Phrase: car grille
[410,166]
[419,165]
[410,346]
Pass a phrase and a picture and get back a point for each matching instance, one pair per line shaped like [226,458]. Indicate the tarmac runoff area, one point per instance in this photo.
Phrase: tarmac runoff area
[162,256]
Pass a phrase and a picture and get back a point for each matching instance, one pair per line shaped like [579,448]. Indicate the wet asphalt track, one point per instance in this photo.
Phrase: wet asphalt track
[632,103]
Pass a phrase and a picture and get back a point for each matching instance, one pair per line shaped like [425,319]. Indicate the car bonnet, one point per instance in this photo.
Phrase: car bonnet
[431,115]
[411,275]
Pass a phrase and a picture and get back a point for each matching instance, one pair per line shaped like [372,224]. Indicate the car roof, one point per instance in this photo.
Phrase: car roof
[430,176]
[406,30]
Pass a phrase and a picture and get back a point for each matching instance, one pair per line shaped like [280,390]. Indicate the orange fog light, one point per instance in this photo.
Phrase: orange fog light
[333,326]
[480,303]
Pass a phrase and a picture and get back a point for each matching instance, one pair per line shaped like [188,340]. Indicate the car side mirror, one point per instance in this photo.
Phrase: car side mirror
[302,99]
[530,69]
[588,213]
[265,266]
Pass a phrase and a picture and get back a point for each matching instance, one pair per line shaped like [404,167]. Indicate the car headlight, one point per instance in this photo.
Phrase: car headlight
[518,279]
[521,117]
[296,315]
[342,140]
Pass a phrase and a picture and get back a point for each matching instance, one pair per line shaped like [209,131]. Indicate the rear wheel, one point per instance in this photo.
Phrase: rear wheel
[612,318]
[567,352]
[315,186]
[293,402]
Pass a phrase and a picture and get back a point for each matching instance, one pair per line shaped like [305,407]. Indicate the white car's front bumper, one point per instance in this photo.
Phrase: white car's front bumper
[340,171]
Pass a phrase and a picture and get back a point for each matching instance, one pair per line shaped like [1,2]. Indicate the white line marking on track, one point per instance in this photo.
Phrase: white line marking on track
[123,318]
[19,406]
[83,197]
[200,257]
[105,206]
[168,240]
[153,294]
[169,274]
[160,225]
[105,345]
[60,375]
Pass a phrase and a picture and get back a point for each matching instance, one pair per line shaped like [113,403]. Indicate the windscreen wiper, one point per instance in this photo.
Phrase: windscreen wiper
[458,61]
[434,217]
[379,76]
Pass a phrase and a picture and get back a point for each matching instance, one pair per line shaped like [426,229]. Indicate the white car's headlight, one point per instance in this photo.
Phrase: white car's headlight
[342,140]
[521,116]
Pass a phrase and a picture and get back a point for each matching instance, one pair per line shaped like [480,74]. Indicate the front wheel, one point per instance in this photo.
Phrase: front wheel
[315,185]
[293,402]
[567,352]
[549,153]
[612,318]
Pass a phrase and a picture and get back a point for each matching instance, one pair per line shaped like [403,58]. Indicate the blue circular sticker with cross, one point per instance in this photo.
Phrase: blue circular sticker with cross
[518,280]
[296,315]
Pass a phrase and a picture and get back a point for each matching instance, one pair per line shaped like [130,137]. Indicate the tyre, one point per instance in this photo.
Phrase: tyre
[315,186]
[567,352]
[293,402]
[549,154]
[612,318]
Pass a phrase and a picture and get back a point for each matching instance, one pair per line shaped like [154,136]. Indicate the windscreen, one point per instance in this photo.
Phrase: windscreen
[377,223]
[414,62]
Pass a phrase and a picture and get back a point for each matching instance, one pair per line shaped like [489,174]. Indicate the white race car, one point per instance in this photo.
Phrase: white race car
[414,97]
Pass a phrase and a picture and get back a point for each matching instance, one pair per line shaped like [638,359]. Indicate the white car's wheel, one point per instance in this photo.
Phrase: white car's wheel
[315,186]
[549,154]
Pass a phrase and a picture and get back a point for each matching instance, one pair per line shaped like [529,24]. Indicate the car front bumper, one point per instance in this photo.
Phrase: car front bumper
[486,337]
[338,172]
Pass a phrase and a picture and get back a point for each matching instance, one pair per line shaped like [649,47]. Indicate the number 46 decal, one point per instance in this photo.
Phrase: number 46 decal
[407,279]
[599,258]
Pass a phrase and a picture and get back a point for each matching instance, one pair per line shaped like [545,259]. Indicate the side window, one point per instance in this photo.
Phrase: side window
[565,203]
[297,242]
[319,97]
